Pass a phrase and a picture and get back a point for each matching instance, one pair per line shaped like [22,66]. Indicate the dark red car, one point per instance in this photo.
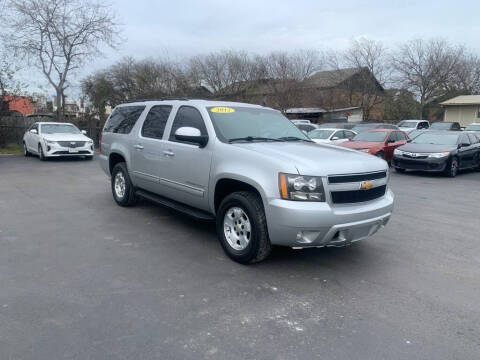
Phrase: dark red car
[379,142]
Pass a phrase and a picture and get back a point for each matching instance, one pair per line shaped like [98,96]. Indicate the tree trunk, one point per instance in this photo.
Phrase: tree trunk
[58,103]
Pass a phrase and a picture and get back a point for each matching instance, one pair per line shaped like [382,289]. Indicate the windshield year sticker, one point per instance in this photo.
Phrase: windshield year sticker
[222,110]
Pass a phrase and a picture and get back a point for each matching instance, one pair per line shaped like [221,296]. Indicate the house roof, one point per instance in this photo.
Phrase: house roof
[331,78]
[305,110]
[463,100]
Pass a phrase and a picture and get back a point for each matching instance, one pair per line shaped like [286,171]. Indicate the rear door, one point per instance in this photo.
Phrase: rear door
[148,149]
[186,166]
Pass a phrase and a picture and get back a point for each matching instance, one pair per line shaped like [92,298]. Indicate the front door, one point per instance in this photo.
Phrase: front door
[32,139]
[186,166]
[466,152]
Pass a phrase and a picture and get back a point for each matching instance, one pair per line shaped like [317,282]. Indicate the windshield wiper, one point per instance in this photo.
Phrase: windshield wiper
[254,138]
[294,138]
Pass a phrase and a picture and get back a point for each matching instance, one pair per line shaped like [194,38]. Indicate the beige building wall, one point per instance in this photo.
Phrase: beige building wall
[464,114]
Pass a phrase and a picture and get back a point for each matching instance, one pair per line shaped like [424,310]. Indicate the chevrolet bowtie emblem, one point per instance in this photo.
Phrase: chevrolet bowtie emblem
[366,185]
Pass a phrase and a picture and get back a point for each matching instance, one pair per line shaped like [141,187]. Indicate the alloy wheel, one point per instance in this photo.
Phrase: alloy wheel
[237,228]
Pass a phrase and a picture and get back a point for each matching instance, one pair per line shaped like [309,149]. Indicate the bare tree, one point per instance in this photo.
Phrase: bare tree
[286,72]
[60,35]
[426,67]
[368,74]
[225,72]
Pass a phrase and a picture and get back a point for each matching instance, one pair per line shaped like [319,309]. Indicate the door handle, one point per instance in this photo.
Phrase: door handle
[138,147]
[168,153]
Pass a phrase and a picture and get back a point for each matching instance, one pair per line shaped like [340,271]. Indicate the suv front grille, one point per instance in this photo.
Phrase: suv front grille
[355,196]
[338,179]
[71,144]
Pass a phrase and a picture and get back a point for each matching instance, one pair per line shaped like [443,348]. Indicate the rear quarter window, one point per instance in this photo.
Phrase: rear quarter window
[123,119]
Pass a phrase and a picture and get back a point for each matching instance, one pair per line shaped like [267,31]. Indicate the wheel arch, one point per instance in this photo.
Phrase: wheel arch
[229,184]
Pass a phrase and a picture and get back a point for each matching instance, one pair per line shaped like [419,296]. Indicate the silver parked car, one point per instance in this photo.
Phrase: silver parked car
[247,167]
[54,139]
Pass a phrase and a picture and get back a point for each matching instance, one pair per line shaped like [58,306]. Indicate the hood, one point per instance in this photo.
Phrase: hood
[316,159]
[360,144]
[426,148]
[65,137]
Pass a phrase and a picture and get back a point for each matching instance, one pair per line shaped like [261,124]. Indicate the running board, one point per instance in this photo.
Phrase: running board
[175,205]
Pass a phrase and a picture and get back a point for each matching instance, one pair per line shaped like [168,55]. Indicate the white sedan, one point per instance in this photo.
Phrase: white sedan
[50,139]
[331,136]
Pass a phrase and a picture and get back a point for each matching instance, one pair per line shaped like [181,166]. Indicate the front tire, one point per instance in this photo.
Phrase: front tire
[26,153]
[242,227]
[41,155]
[451,170]
[122,187]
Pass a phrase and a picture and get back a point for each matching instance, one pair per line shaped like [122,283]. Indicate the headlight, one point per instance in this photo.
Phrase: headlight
[364,150]
[48,142]
[397,152]
[301,188]
[90,142]
[438,155]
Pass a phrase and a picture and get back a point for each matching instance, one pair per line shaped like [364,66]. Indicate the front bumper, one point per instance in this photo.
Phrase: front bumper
[425,164]
[314,224]
[56,150]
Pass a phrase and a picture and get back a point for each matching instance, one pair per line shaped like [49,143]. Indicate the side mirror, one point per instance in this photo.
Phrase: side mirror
[463,145]
[192,135]
[34,131]
[335,138]
[350,139]
[389,141]
[84,132]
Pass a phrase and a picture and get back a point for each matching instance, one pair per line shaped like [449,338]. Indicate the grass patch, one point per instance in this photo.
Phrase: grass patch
[17,149]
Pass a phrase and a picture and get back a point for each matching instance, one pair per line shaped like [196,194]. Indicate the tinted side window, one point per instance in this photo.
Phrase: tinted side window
[155,122]
[401,136]
[123,119]
[392,137]
[187,116]
[456,126]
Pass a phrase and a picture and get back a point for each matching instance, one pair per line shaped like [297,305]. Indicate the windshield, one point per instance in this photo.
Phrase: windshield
[59,129]
[234,122]
[474,127]
[373,136]
[363,127]
[407,124]
[441,126]
[436,139]
[320,134]
[414,133]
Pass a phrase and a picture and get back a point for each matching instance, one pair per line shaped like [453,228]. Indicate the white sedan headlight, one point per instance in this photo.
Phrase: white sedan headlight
[89,142]
[438,155]
[49,142]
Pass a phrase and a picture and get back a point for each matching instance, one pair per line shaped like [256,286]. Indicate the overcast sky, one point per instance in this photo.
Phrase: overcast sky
[180,28]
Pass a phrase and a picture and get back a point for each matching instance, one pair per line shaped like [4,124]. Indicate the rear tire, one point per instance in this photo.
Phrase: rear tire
[122,188]
[241,218]
[451,170]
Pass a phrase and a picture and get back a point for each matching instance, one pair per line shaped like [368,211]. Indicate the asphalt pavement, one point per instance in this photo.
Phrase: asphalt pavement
[82,278]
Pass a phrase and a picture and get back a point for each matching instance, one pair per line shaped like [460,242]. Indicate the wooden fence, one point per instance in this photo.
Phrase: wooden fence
[12,128]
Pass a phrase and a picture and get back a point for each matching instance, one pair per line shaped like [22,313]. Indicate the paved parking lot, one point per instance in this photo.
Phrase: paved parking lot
[81,278]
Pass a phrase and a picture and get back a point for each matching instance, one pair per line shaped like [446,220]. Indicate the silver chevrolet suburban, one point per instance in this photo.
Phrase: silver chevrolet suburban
[247,167]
